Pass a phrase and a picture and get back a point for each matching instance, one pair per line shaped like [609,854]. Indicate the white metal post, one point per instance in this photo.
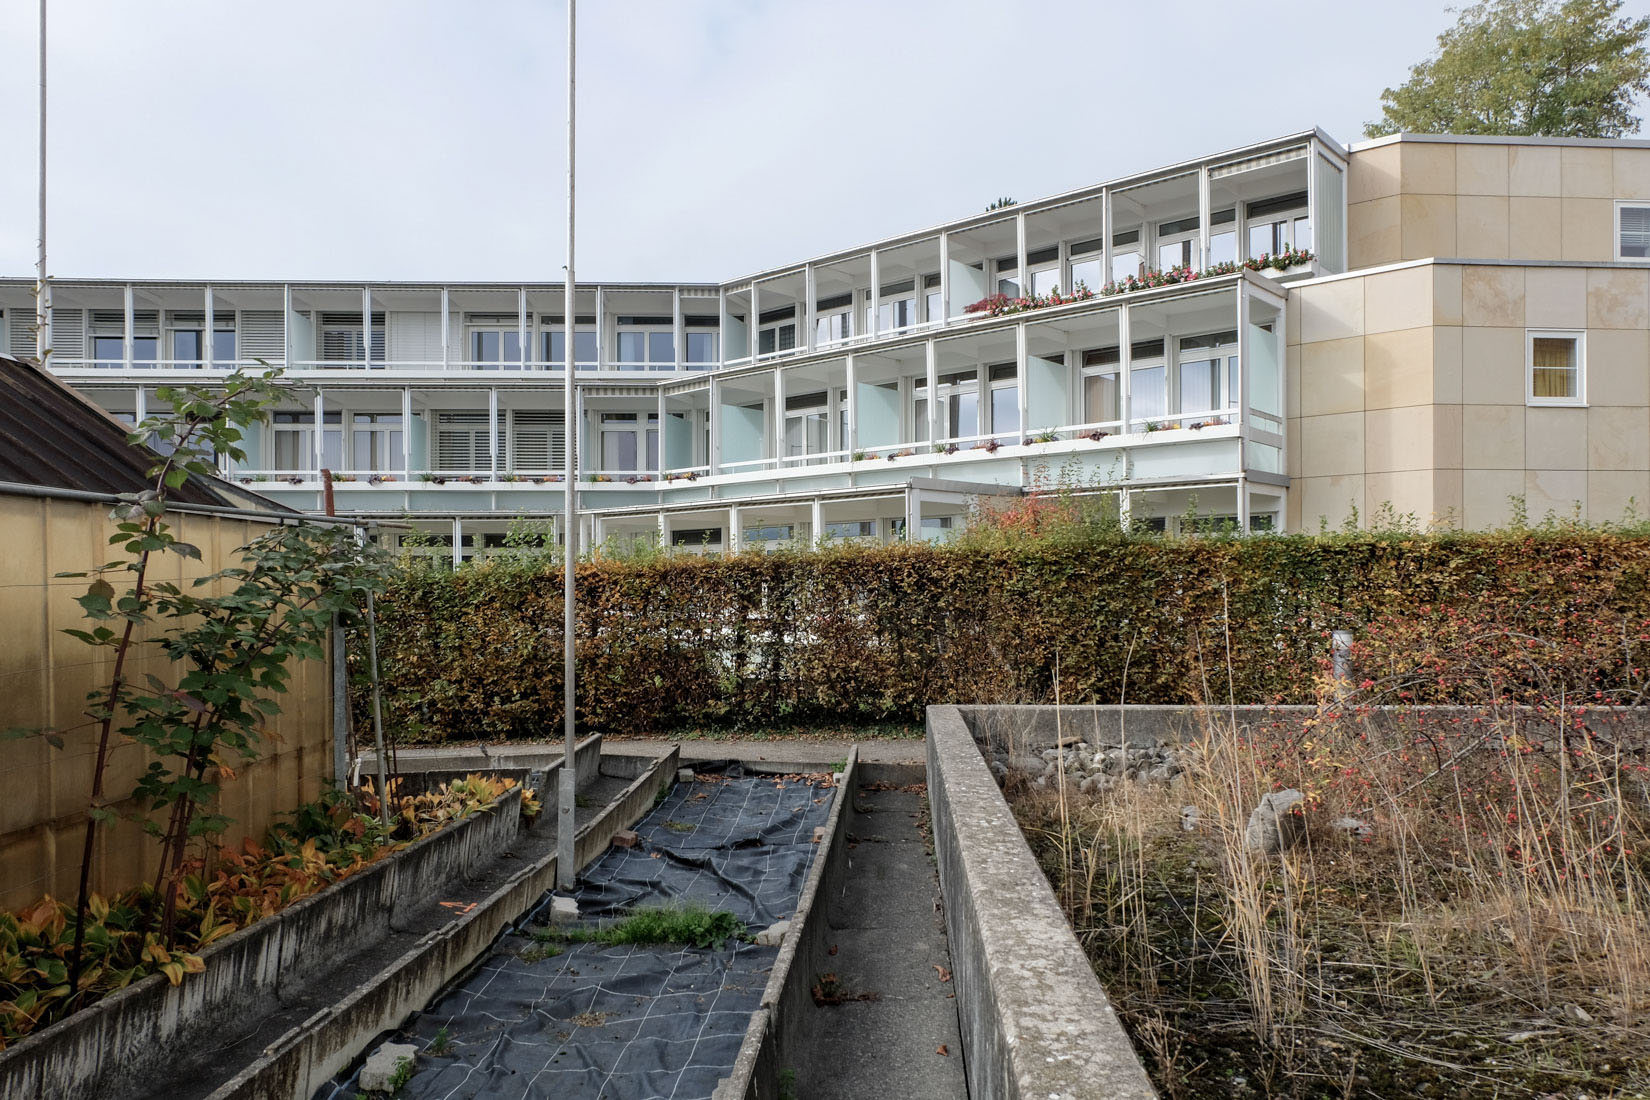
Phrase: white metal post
[492,432]
[873,319]
[208,358]
[458,542]
[42,285]
[446,329]
[736,541]
[521,330]
[566,871]
[320,431]
[406,433]
[1105,237]
[366,328]
[851,443]
[931,358]
[945,278]
[1020,368]
[678,347]
[1203,215]
[816,521]
[130,324]
[809,300]
[1024,277]
[777,452]
[1125,384]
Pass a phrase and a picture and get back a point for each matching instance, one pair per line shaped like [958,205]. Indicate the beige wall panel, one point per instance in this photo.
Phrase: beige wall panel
[1618,367]
[1292,381]
[1398,368]
[1631,174]
[1330,500]
[1492,296]
[1426,168]
[1331,311]
[1446,364]
[1481,226]
[1398,439]
[1446,294]
[1447,439]
[1372,173]
[1586,172]
[1486,497]
[1332,377]
[1618,298]
[1614,496]
[1333,445]
[1428,226]
[1447,487]
[1398,299]
[1618,438]
[1492,437]
[1401,496]
[1492,366]
[1533,170]
[1374,234]
[1555,493]
[1555,439]
[1555,297]
[1589,227]
[1535,227]
[1481,170]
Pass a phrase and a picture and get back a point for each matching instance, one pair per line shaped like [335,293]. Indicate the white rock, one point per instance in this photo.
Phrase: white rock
[774,934]
[1190,818]
[684,775]
[1275,826]
[564,909]
[1352,828]
[379,1073]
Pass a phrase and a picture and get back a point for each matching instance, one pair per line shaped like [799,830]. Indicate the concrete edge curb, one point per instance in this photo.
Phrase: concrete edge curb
[755,1072]
[1035,1021]
[297,1064]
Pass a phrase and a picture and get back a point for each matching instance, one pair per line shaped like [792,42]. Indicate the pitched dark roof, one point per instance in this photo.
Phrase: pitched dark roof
[54,437]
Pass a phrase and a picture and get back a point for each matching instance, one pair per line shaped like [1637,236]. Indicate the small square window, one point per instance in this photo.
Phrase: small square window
[1632,231]
[1557,368]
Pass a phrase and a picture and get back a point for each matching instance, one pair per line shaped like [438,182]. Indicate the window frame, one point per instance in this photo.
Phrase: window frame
[1579,336]
[1620,205]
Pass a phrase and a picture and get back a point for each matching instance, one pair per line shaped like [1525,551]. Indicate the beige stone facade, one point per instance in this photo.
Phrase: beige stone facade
[1409,375]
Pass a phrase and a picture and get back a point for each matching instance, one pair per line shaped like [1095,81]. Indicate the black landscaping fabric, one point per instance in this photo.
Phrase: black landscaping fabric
[629,1022]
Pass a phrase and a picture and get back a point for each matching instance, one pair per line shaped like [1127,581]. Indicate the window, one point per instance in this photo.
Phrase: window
[553,342]
[1044,266]
[1005,403]
[623,446]
[852,529]
[647,343]
[933,311]
[1207,375]
[495,342]
[1632,231]
[1085,265]
[187,333]
[343,338]
[701,346]
[375,441]
[1557,368]
[771,532]
[537,440]
[1148,384]
[833,319]
[777,331]
[109,337]
[959,411]
[807,425]
[461,442]
[294,434]
[1126,255]
[1100,393]
[696,536]
[896,307]
[1177,244]
[1278,225]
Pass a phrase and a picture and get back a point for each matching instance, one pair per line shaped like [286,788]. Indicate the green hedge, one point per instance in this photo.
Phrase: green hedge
[858,636]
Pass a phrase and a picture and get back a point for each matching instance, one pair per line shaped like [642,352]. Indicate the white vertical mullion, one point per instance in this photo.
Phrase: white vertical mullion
[130,322]
[777,451]
[1064,276]
[1020,254]
[1203,215]
[873,319]
[406,433]
[945,278]
[207,358]
[714,459]
[446,329]
[1020,358]
[678,354]
[660,464]
[931,362]
[140,407]
[492,431]
[851,444]
[816,520]
[810,298]
[1125,383]
[1242,396]
[1106,235]
[736,539]
[458,542]
[320,430]
[521,328]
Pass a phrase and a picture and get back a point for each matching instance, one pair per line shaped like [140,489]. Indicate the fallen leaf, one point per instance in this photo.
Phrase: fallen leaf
[945,975]
[832,951]
[942,1050]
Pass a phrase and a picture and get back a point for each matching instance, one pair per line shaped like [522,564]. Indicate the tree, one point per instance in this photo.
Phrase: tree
[1557,68]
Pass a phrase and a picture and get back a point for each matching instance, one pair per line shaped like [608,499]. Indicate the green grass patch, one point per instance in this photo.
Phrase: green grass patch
[690,925]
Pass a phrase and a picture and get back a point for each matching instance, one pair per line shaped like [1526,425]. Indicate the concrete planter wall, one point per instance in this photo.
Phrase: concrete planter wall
[1035,1022]
[124,1043]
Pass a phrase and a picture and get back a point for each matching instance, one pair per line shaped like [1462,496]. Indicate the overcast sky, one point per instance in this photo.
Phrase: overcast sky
[408,139]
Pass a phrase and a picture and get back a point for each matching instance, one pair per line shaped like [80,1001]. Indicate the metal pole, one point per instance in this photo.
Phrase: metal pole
[42,289]
[377,714]
[566,871]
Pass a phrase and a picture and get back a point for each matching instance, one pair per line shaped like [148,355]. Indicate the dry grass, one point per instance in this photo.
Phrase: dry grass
[1490,939]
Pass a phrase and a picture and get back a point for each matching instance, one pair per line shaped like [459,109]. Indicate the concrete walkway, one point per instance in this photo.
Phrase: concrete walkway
[892,966]
[813,755]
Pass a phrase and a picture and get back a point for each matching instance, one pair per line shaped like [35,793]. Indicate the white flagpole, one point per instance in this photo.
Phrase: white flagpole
[42,288]
[566,871]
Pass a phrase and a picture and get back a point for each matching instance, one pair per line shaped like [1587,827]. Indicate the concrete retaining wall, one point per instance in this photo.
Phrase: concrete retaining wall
[775,1034]
[1035,1021]
[305,1058]
[121,1044]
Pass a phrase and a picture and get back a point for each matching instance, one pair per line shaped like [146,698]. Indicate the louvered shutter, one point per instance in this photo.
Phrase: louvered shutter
[538,441]
[461,441]
[20,333]
[1635,232]
[262,335]
[69,333]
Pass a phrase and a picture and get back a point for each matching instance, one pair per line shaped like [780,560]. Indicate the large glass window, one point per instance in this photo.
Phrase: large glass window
[701,347]
[896,307]
[959,406]
[776,331]
[625,443]
[1044,266]
[646,343]
[1005,403]
[1085,265]
[1100,389]
[554,344]
[375,441]
[1557,368]
[344,338]
[1126,256]
[187,335]
[1278,225]
[1148,385]
[1632,231]
[833,319]
[807,425]
[294,438]
[1207,375]
[495,347]
[110,351]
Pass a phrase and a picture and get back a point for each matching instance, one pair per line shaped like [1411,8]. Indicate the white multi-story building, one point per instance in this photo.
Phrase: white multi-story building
[865,394]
